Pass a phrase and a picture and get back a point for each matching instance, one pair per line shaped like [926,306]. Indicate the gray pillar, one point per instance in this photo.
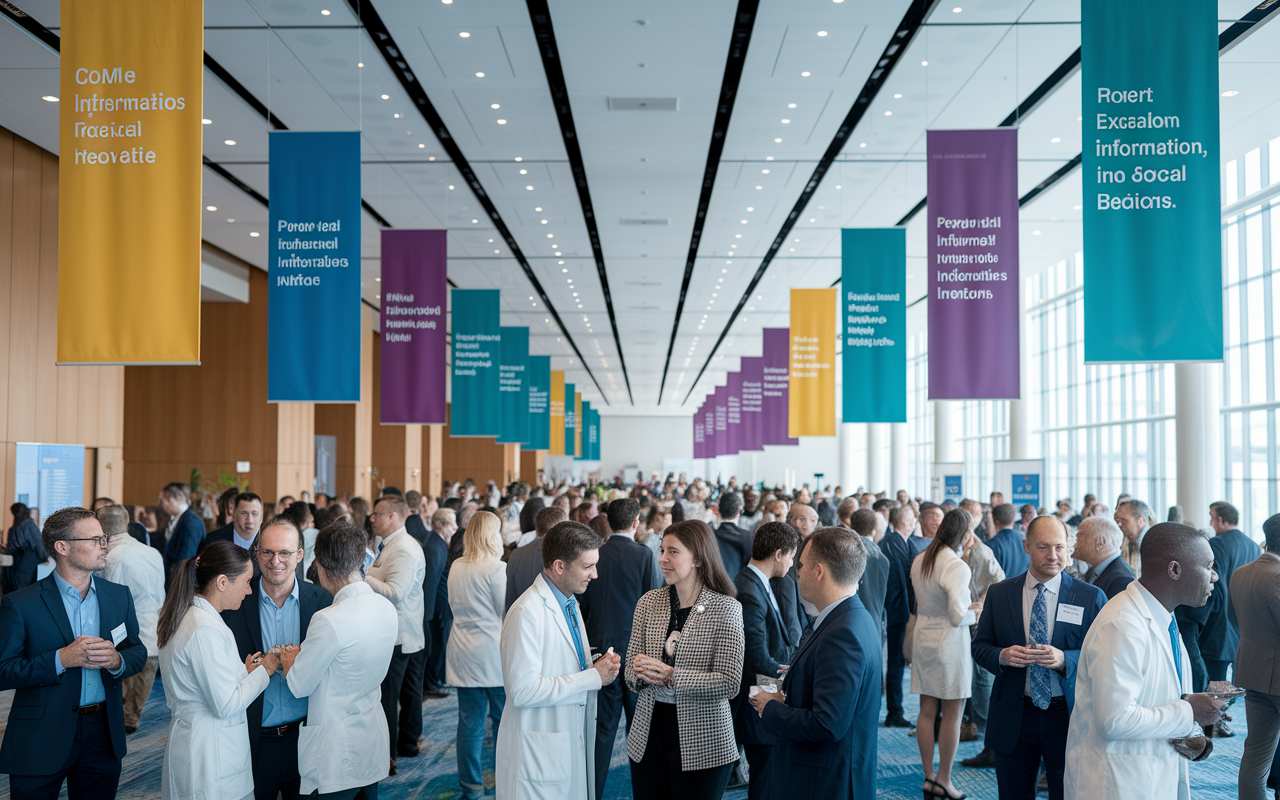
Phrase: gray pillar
[897,457]
[877,432]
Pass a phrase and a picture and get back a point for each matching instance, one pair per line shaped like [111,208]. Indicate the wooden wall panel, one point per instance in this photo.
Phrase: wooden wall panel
[24,292]
[397,449]
[481,459]
[339,421]
[6,279]
[530,462]
[47,346]
[366,413]
[432,459]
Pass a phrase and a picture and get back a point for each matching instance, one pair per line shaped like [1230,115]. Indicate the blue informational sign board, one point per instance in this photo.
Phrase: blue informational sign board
[1026,489]
[49,477]
[952,488]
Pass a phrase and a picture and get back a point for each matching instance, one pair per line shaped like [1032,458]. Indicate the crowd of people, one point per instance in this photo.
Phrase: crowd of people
[741,637]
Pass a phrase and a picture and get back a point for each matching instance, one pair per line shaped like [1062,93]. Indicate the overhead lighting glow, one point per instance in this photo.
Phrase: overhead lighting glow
[764,172]
[360,64]
[479,74]
[421,145]
[529,188]
[464,35]
[759,187]
[451,187]
[777,141]
[956,10]
[768,158]
[539,208]
[888,113]
[1055,140]
[864,144]
[551,236]
[1228,93]
[1035,233]
[202,122]
[496,106]
[502,122]
[229,142]
[750,208]
[1076,208]
[804,74]
[786,122]
[475,221]
[386,97]
[924,63]
[822,33]
[254,234]
[210,208]
[897,97]
[518,158]
[48,98]
[324,12]
[744,222]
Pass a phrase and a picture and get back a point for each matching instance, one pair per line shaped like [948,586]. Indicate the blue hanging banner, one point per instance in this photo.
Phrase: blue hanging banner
[313,268]
[513,380]
[873,305]
[595,435]
[1150,174]
[476,406]
[538,378]
[570,419]
[585,455]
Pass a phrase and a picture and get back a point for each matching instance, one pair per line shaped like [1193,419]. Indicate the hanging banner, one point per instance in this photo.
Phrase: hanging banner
[733,412]
[722,421]
[476,408]
[585,455]
[555,413]
[776,374]
[570,420]
[699,441]
[513,386]
[313,268]
[414,301]
[752,437]
[812,410]
[577,422]
[538,375]
[873,299]
[594,432]
[709,427]
[973,264]
[1152,204]
[129,178]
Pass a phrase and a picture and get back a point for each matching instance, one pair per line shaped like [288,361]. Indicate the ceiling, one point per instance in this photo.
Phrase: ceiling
[806,63]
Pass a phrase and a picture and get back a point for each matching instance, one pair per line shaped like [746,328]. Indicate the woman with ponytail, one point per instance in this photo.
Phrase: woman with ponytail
[206,686]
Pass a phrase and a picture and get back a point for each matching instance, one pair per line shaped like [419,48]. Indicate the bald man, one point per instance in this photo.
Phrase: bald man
[804,519]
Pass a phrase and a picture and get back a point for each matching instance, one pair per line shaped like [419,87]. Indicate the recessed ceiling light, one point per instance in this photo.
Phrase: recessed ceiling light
[497,106]
[386,97]
[768,158]
[888,113]
[804,74]
[421,145]
[497,251]
[529,188]
[465,35]
[777,141]
[737,236]
[502,122]
[1230,93]
[759,187]
[539,208]
[479,74]
[229,219]
[475,221]
[811,219]
[956,10]
[518,158]
[360,64]
[837,186]
[1035,233]
[559,253]
[447,2]
[544,222]
[864,144]
[764,172]
[822,33]
[924,63]
[1076,208]
[229,142]
[206,122]
[551,236]
[744,222]
[210,208]
[750,208]
[897,97]
[254,234]
[1055,140]
[324,12]
[490,241]
[48,98]
[786,122]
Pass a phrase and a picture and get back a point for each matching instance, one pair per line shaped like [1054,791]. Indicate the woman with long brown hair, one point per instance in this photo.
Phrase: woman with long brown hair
[941,667]
[684,662]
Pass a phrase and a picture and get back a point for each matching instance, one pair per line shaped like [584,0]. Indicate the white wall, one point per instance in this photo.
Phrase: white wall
[641,443]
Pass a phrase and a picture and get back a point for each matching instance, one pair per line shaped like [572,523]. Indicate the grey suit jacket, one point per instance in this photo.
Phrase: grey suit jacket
[1255,598]
[875,582]
[524,565]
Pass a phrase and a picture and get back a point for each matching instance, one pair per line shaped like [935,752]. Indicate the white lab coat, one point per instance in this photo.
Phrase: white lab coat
[206,755]
[477,597]
[340,670]
[546,743]
[1128,707]
[131,563]
[397,575]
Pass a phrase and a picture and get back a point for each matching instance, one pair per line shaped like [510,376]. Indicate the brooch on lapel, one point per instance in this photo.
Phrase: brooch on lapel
[699,608]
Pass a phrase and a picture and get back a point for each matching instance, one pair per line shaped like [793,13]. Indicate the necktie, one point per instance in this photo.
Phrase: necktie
[380,546]
[572,615]
[1177,652]
[1041,686]
[804,636]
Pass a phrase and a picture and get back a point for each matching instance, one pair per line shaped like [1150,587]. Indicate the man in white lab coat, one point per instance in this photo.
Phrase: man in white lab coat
[1134,679]
[546,743]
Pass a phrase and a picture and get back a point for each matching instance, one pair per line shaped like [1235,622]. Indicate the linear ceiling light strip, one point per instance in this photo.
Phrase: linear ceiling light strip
[743,24]
[545,35]
[907,29]
[399,66]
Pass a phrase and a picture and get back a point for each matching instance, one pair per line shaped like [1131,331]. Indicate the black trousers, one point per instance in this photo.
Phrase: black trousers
[1190,630]
[759,758]
[369,792]
[275,773]
[611,702]
[92,771]
[402,687]
[659,774]
[895,668]
[1043,736]
[1217,670]
[437,633]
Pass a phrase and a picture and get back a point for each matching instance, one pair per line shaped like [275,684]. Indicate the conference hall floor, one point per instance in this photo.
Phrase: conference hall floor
[433,775]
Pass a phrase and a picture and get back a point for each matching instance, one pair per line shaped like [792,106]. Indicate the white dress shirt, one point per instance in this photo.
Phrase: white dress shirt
[1051,610]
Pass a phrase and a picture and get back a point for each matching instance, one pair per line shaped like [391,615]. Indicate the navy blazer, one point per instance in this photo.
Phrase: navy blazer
[27,549]
[1114,578]
[826,730]
[735,547]
[524,565]
[1221,634]
[42,724]
[625,572]
[793,614]
[223,534]
[769,643]
[897,606]
[436,553]
[873,587]
[246,624]
[188,534]
[1009,552]
[1001,626]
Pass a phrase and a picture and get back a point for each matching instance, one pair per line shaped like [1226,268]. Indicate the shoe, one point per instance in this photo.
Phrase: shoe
[407,751]
[1043,785]
[897,721]
[938,790]
[128,729]
[435,694]
[983,760]
[969,732]
[392,771]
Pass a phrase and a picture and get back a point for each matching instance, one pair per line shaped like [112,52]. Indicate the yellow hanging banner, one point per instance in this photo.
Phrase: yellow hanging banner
[557,413]
[129,134]
[812,382]
[578,424]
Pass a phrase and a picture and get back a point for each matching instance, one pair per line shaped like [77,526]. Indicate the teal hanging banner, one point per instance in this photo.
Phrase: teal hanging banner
[570,419]
[538,377]
[873,304]
[476,406]
[513,380]
[585,455]
[1152,204]
[593,434]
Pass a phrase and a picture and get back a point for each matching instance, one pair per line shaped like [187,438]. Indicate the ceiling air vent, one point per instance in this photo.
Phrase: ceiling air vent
[643,221]
[644,103]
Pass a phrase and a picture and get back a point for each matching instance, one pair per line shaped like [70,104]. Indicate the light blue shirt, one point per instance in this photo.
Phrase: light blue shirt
[767,587]
[84,619]
[824,613]
[245,544]
[280,626]
[571,617]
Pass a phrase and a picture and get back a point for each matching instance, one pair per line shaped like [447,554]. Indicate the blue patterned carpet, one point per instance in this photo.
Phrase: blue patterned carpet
[433,775]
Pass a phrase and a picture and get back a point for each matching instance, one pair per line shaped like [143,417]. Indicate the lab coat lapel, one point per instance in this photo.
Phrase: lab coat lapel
[54,603]
[558,615]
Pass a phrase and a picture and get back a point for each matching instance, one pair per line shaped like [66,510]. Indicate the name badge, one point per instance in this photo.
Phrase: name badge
[117,634]
[1070,613]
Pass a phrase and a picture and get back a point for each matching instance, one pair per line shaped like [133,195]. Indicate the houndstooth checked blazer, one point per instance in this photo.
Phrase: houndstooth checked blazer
[708,672]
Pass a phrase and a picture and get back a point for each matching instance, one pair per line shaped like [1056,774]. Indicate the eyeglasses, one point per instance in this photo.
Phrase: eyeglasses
[285,555]
[101,540]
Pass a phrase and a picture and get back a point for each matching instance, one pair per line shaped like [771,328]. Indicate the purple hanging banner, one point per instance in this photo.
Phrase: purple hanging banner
[973,264]
[414,301]
[752,403]
[722,421]
[776,385]
[733,412]
[709,426]
[699,441]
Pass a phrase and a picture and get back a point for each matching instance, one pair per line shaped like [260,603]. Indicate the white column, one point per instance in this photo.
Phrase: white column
[898,457]
[944,445]
[1198,424]
[1019,429]
[851,475]
[876,434]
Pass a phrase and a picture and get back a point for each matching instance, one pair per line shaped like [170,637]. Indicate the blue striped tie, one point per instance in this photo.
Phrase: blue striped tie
[1041,686]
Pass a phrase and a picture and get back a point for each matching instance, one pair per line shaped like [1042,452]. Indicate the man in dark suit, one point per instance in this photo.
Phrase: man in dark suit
[625,571]
[897,608]
[875,579]
[824,721]
[276,613]
[1221,634]
[186,531]
[1098,545]
[246,519]
[1033,692]
[525,563]
[26,548]
[436,553]
[769,642]
[66,644]
[1008,544]
[1257,607]
[734,542]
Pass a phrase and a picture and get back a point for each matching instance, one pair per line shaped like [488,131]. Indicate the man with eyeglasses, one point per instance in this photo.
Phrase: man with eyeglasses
[66,644]
[276,613]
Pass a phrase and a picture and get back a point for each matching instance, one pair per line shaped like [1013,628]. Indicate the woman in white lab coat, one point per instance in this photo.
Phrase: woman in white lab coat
[207,687]
[477,596]
[342,748]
